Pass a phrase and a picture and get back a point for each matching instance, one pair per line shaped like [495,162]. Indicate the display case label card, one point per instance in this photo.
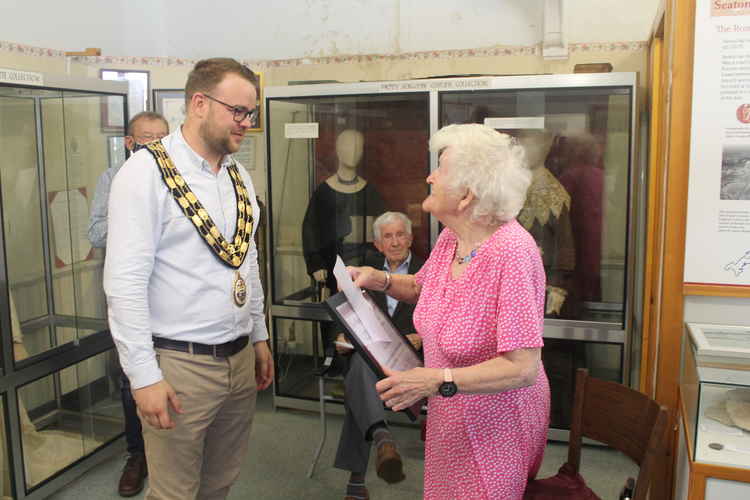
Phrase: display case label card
[448,84]
[245,156]
[524,122]
[21,77]
[301,130]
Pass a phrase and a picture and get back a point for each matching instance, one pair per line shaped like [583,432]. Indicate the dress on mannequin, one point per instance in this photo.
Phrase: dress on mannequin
[582,176]
[339,217]
[546,215]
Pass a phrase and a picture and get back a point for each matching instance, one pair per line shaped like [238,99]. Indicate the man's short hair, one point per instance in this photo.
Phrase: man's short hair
[208,73]
[388,218]
[145,115]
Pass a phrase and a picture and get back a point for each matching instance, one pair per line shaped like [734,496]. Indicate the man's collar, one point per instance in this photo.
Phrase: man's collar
[406,262]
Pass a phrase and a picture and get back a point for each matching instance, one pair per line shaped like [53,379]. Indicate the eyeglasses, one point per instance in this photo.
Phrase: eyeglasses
[239,113]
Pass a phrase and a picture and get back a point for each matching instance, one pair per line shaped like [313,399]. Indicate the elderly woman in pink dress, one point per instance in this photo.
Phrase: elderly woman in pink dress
[480,309]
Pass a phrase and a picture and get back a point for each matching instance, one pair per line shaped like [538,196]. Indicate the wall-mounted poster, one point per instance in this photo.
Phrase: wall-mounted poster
[717,249]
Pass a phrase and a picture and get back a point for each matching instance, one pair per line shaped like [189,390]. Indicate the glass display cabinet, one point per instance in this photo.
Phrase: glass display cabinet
[715,385]
[578,132]
[714,439]
[59,383]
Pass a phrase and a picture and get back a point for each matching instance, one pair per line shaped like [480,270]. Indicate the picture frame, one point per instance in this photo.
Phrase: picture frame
[395,353]
[113,115]
[170,103]
[139,86]
[116,152]
[258,125]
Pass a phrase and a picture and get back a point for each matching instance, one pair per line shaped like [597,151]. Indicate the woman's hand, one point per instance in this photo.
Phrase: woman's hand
[367,277]
[400,390]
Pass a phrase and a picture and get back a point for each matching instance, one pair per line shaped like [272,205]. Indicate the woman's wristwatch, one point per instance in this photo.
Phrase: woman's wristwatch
[448,388]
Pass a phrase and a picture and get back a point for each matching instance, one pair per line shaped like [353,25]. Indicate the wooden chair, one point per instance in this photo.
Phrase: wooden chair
[617,416]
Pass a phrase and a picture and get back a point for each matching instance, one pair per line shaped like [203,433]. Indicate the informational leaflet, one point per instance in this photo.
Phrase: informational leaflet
[372,330]
[717,249]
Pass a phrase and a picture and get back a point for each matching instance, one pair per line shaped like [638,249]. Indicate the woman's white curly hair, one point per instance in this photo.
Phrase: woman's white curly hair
[490,164]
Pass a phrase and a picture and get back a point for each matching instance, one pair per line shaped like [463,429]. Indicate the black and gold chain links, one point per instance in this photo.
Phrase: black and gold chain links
[232,254]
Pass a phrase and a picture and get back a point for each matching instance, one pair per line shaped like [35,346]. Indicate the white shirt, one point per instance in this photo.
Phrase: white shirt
[160,276]
[402,268]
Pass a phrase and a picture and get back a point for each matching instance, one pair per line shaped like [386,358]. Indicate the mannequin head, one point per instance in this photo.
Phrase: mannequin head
[349,148]
[536,143]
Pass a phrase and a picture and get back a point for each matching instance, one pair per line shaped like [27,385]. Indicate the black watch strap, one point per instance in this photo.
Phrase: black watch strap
[448,388]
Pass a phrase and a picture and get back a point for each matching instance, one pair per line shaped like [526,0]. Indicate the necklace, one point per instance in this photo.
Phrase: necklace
[466,258]
[345,182]
[231,254]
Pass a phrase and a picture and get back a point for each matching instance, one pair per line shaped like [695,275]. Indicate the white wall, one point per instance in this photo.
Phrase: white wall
[282,29]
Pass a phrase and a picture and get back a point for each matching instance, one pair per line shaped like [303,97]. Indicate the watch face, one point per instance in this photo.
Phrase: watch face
[448,389]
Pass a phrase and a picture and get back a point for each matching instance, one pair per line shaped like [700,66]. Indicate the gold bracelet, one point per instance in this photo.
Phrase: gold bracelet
[387,280]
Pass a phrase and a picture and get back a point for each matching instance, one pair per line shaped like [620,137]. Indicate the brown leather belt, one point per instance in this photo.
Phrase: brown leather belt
[224,350]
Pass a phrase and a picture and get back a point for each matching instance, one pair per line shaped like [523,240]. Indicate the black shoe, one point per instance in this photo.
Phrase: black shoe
[133,475]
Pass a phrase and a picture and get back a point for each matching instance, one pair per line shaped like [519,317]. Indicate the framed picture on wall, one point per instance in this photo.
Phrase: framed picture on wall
[113,115]
[138,87]
[170,103]
[257,125]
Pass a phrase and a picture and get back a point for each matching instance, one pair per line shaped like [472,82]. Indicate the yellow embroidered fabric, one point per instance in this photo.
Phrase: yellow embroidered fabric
[545,196]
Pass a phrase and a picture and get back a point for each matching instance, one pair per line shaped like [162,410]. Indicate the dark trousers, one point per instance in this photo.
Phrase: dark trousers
[363,409]
[133,430]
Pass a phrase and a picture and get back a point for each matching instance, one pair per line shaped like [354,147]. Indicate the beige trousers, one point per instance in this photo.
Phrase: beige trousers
[200,458]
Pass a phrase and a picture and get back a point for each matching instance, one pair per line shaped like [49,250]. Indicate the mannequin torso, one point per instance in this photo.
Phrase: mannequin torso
[341,212]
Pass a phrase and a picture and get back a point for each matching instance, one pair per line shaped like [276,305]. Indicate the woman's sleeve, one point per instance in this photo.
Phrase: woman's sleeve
[521,284]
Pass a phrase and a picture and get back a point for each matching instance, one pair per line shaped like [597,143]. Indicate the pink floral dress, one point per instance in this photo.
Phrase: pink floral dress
[483,446]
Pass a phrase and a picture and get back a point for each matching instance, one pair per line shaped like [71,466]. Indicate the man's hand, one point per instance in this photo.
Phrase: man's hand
[415,340]
[555,299]
[340,348]
[263,365]
[153,403]
[320,275]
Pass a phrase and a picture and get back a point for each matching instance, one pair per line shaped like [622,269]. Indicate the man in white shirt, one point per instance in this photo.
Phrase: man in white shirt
[143,128]
[183,290]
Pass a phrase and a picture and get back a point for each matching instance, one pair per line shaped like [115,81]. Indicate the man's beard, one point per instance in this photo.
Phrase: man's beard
[220,145]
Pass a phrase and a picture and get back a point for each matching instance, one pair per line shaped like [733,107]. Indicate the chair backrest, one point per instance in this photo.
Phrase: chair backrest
[622,418]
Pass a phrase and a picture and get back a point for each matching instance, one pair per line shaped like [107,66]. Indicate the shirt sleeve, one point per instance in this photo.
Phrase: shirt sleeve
[521,283]
[97,232]
[134,233]
[258,328]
